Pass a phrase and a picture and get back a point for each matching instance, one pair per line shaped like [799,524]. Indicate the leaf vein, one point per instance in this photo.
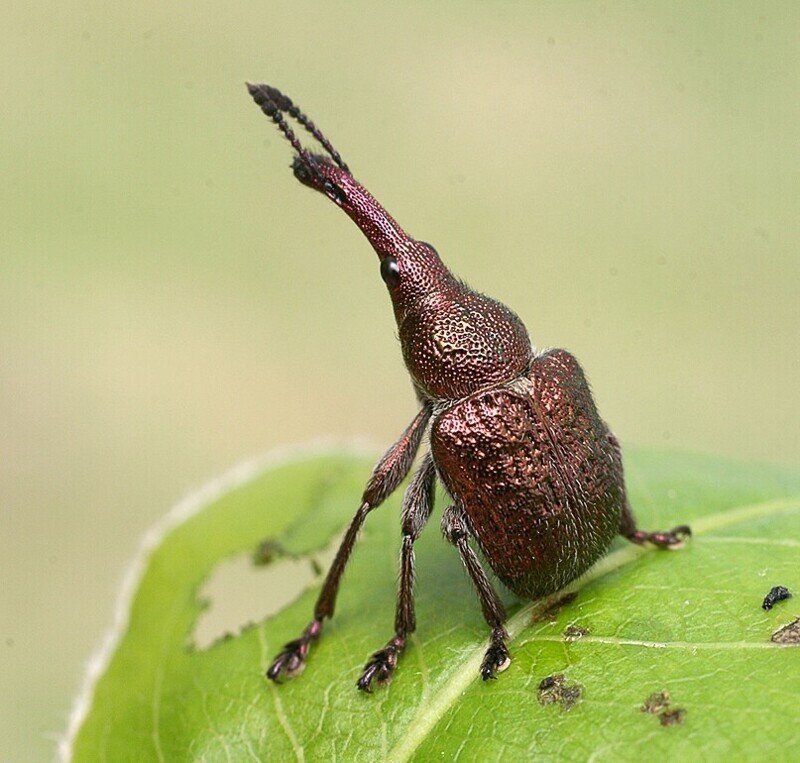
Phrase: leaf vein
[466,673]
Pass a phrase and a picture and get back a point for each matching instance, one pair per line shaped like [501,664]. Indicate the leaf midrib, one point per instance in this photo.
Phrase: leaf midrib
[466,672]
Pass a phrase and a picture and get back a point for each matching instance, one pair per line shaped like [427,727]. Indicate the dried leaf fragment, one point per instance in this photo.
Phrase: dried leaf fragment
[789,635]
[656,702]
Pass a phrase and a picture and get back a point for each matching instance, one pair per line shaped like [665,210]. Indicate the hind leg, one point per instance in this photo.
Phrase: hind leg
[672,539]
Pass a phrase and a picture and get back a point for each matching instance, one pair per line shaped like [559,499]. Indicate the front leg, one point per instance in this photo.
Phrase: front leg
[417,507]
[497,658]
[670,539]
[388,473]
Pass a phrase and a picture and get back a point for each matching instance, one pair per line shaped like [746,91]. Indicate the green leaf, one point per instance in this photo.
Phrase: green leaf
[687,622]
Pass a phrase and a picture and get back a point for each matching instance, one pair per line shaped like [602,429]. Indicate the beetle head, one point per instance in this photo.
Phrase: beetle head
[454,340]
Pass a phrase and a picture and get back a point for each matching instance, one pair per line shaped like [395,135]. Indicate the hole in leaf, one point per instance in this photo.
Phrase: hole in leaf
[245,589]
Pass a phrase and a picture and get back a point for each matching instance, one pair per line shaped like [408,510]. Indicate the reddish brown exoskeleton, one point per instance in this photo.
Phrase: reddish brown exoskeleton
[534,474]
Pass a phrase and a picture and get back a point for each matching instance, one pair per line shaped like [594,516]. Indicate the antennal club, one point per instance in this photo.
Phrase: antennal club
[274,104]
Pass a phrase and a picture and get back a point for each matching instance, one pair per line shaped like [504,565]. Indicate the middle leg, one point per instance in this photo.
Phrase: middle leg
[497,658]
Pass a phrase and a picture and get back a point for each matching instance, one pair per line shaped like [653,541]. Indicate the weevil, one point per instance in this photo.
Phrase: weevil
[534,474]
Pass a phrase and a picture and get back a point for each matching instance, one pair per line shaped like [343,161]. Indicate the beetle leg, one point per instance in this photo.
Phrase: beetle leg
[671,539]
[388,473]
[497,658]
[417,507]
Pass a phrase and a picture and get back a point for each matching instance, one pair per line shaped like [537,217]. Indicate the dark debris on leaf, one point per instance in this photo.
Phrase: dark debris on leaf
[554,690]
[656,702]
[673,717]
[776,594]
[574,632]
[268,551]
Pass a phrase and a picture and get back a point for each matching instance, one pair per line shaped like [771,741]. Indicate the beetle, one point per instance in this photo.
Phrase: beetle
[534,474]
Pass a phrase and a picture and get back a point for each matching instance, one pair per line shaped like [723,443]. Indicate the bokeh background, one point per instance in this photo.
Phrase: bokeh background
[625,175]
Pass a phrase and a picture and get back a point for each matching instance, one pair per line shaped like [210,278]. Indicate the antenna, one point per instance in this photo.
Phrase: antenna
[274,104]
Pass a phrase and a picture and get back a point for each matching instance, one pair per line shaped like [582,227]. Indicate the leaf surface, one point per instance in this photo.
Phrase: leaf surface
[688,622]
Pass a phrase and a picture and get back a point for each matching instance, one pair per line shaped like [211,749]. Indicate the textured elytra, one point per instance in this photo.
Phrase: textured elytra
[533,473]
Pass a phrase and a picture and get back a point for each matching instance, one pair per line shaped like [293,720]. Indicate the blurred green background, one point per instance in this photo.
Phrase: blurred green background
[626,176]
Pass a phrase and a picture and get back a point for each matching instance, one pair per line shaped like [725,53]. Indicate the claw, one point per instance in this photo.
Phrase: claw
[291,661]
[497,658]
[381,665]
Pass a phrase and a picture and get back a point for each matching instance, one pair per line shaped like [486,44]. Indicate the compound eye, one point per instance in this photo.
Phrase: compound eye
[390,271]
[332,191]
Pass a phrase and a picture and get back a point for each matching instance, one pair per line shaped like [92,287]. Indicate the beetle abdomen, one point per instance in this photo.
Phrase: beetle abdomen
[532,466]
